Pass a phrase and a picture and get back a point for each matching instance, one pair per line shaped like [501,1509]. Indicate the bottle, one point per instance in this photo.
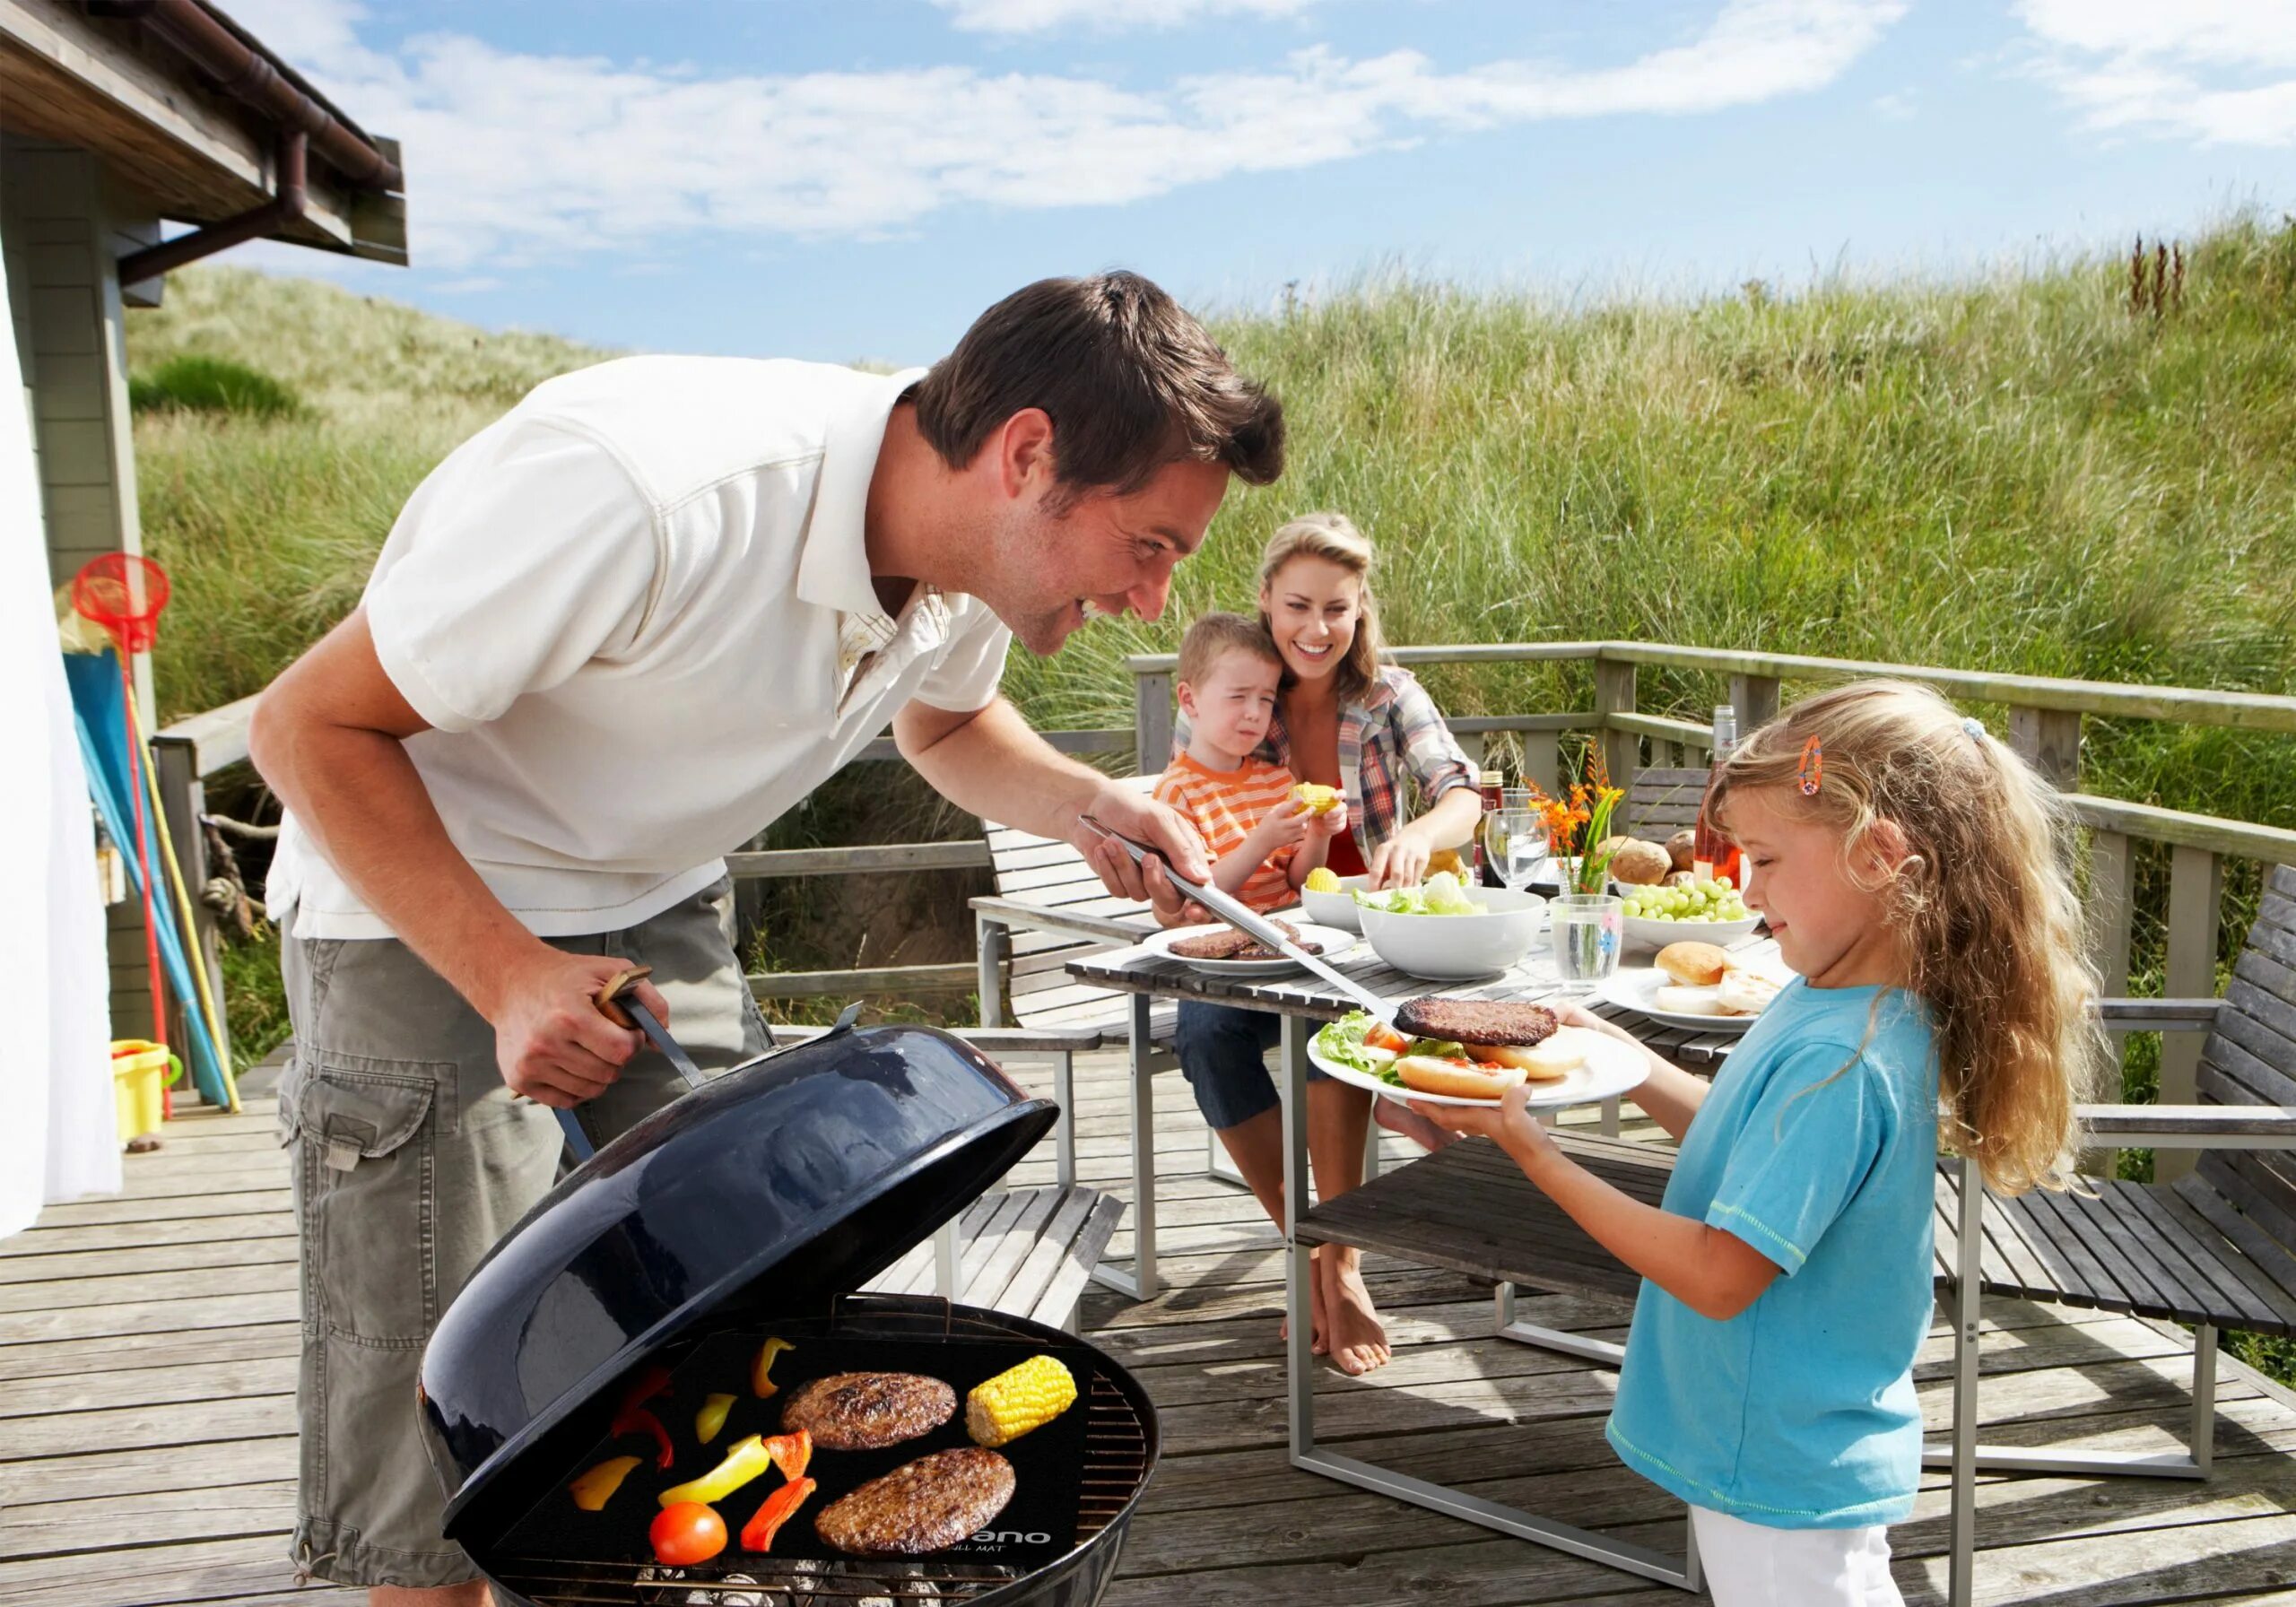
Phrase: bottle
[1716,855]
[1492,786]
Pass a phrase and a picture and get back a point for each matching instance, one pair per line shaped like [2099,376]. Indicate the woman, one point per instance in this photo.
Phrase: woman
[1343,719]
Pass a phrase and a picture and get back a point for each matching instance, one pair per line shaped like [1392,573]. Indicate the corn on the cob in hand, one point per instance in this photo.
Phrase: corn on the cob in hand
[1018,1400]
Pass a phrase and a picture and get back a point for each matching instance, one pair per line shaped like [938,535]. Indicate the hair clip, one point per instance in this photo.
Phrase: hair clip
[1814,768]
[1975,727]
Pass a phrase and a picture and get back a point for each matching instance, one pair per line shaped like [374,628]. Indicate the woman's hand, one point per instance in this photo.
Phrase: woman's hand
[1509,1123]
[1401,861]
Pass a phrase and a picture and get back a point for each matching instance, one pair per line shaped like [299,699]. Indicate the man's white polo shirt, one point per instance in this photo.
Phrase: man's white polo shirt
[632,610]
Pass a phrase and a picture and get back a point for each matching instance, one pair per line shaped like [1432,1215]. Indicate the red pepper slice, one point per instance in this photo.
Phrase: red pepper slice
[791,1452]
[757,1534]
[636,1420]
[650,1382]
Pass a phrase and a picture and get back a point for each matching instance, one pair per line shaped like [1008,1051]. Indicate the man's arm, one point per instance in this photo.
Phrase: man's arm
[328,736]
[990,761]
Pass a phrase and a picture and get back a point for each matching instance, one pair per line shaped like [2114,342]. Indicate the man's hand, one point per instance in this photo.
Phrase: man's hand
[1151,824]
[552,1042]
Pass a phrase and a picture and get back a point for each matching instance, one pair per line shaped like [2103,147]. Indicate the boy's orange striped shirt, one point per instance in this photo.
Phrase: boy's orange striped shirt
[1225,805]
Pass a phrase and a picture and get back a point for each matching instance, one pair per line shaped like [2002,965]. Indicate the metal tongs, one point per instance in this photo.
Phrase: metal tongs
[1241,916]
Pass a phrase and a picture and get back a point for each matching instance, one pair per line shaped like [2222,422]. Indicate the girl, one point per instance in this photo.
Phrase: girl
[1914,873]
[1346,720]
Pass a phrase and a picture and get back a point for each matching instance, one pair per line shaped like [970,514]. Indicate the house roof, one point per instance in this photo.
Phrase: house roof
[96,76]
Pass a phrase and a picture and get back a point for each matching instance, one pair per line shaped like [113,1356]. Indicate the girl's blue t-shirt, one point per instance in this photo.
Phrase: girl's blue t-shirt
[1799,1413]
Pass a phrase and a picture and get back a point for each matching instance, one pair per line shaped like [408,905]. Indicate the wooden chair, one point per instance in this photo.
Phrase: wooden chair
[2213,1249]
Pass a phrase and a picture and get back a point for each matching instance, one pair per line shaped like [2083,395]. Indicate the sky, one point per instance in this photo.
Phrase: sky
[854,179]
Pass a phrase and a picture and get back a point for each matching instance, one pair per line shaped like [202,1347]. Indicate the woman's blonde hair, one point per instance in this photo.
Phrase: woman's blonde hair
[1334,538]
[1983,903]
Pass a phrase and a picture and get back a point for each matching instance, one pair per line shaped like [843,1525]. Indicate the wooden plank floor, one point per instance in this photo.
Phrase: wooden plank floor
[147,1453]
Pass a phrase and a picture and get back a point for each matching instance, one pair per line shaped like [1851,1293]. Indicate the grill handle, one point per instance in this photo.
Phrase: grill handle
[618,1003]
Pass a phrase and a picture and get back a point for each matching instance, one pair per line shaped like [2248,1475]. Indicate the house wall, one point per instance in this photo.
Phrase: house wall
[64,223]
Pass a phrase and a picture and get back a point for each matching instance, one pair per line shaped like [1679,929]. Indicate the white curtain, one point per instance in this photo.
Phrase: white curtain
[58,1138]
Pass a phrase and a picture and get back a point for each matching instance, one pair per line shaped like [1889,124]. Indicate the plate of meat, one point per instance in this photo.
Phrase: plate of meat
[1220,949]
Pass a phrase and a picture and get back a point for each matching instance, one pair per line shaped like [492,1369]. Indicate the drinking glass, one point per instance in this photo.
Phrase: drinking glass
[1588,929]
[1517,847]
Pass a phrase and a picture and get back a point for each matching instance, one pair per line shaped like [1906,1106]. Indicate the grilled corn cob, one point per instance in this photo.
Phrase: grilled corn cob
[1018,1400]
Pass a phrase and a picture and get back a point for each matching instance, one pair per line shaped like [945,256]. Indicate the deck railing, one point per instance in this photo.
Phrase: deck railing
[2044,720]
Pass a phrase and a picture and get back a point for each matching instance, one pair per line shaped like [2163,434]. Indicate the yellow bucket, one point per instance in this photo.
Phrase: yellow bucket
[141,1071]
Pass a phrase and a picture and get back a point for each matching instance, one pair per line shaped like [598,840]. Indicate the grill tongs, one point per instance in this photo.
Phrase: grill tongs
[1241,916]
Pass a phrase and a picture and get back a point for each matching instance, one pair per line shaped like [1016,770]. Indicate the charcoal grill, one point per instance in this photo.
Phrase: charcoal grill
[759,1201]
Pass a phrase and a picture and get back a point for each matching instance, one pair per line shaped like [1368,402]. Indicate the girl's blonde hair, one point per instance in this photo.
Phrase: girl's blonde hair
[1334,538]
[1983,903]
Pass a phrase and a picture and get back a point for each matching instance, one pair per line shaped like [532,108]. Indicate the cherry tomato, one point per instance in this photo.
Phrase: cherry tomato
[687,1533]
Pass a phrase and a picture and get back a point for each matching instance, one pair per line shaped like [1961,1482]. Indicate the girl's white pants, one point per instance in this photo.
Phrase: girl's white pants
[1748,1565]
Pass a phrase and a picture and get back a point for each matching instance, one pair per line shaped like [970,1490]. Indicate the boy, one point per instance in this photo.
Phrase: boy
[1262,840]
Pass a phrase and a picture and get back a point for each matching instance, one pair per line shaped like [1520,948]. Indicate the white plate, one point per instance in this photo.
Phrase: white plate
[1334,943]
[1633,985]
[1611,1068]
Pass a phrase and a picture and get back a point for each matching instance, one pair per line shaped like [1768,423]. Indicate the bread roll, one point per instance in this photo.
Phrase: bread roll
[1693,965]
[1549,1062]
[1426,1075]
[1746,993]
[1688,1001]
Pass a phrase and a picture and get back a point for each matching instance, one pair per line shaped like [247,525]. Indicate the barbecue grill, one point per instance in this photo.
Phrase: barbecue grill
[758,1202]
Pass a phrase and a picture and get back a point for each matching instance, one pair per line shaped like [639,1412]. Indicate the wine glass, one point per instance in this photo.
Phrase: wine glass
[1517,847]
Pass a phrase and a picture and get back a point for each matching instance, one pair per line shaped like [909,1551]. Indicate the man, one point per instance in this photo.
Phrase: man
[610,639]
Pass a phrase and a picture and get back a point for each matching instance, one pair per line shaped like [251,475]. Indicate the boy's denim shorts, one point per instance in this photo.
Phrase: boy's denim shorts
[1223,1053]
[411,1157]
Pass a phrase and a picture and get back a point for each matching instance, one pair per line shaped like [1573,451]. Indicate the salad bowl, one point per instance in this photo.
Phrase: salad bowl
[1456,944]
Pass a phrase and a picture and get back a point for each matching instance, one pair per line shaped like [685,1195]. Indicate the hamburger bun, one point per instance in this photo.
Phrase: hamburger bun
[1457,1079]
[1549,1062]
[1746,993]
[1688,1001]
[1693,965]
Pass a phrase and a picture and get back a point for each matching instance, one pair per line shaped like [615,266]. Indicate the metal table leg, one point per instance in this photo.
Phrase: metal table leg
[1140,1283]
[1298,1297]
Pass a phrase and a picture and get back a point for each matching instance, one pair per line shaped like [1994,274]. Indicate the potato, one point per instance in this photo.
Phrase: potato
[1639,863]
[1683,848]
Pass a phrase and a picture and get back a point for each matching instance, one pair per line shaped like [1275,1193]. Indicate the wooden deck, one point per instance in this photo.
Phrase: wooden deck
[147,1417]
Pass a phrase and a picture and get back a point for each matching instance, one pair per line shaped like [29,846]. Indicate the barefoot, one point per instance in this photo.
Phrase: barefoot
[1358,1341]
[1397,1117]
[1319,1324]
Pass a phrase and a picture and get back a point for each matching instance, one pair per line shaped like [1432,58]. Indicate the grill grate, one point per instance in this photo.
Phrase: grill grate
[1116,1462]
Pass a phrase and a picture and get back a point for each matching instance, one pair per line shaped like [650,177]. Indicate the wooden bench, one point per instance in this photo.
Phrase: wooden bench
[1027,1252]
[1659,803]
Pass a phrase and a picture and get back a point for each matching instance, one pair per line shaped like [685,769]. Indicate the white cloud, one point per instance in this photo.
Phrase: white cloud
[2217,71]
[1040,16]
[514,157]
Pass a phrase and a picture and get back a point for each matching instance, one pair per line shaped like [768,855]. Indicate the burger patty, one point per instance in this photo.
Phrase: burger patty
[1233,944]
[1477,1021]
[933,1502]
[866,1411]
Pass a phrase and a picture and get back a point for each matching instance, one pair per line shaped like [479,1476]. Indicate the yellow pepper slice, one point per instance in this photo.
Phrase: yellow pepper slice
[712,1418]
[595,1487]
[761,1371]
[745,1459]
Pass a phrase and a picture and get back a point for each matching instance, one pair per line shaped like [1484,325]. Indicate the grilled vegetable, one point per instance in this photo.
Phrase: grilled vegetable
[745,1459]
[636,1420]
[595,1487]
[710,1421]
[1018,1400]
[757,1534]
[687,1533]
[791,1452]
[761,1382]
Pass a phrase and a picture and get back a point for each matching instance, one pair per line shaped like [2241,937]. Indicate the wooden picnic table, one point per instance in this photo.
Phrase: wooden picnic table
[1404,1211]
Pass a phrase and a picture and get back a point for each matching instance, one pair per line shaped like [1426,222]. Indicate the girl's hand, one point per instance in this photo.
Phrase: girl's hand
[1579,1015]
[1509,1123]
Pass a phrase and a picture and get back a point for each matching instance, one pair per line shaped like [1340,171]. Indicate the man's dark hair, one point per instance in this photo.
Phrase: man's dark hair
[1130,378]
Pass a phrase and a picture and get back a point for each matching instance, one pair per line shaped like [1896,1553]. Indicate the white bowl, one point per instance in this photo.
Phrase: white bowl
[1658,935]
[1335,910]
[1457,948]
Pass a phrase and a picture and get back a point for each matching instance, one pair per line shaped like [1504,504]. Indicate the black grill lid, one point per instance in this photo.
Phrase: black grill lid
[789,1180]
